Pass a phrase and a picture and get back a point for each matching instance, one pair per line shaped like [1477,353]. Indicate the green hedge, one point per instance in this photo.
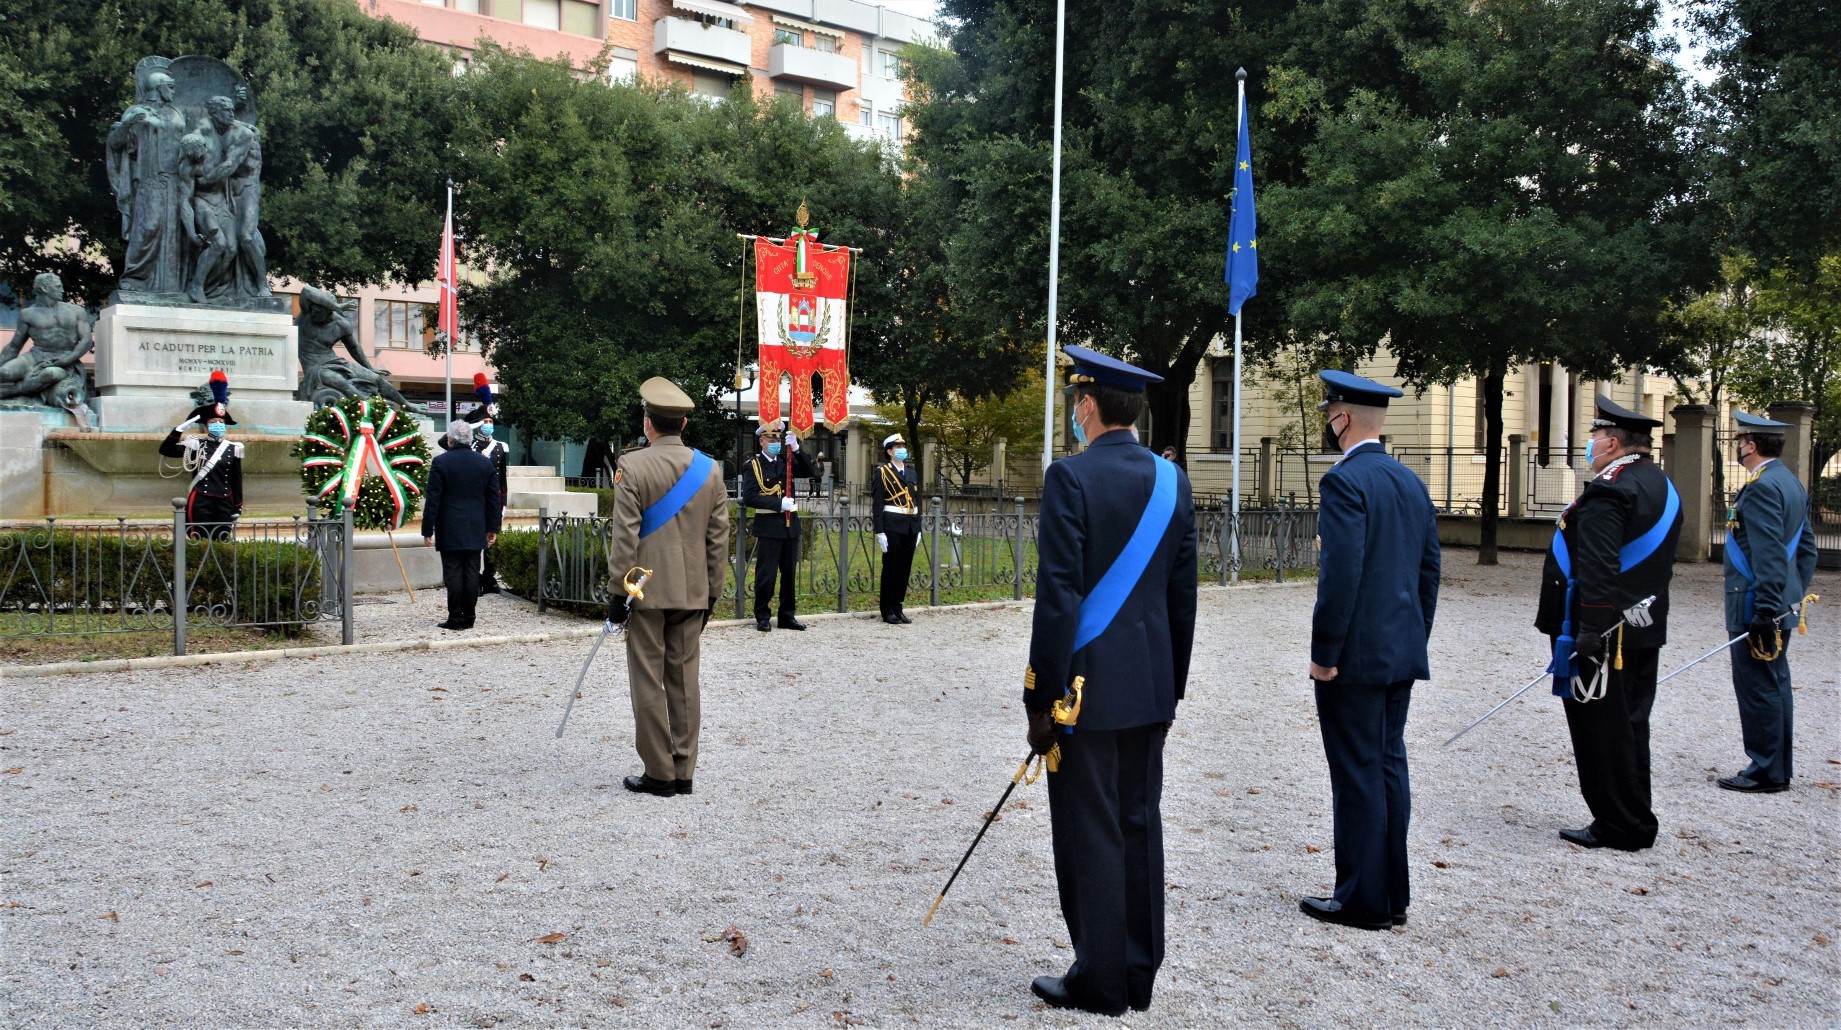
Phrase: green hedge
[603,499]
[93,571]
[515,555]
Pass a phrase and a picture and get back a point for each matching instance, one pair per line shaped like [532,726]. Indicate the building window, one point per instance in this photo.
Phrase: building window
[825,44]
[543,14]
[824,103]
[790,90]
[790,37]
[710,20]
[625,10]
[709,84]
[889,125]
[622,69]
[888,65]
[1221,432]
[867,116]
[581,19]
[469,6]
[398,324]
[462,65]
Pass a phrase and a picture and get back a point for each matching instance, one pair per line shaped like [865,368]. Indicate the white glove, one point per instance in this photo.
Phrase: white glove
[187,424]
[792,443]
[786,504]
[882,541]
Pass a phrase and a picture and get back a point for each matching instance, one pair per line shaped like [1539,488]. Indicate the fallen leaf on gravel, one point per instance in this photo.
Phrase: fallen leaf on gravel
[441,689]
[111,914]
[501,878]
[14,769]
[1639,890]
[234,951]
[1252,790]
[543,864]
[738,943]
[1500,971]
[826,973]
[548,938]
[1820,938]
[207,883]
[527,978]
[994,818]
[1312,848]
[422,1009]
[409,808]
[1007,940]
[415,872]
[1439,863]
[943,801]
[325,786]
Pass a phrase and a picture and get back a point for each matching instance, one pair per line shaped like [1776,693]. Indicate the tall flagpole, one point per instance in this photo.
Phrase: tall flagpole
[1234,517]
[1054,246]
[448,262]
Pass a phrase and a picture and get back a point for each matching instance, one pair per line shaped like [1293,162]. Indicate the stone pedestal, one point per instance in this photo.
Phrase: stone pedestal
[1690,465]
[1796,441]
[148,357]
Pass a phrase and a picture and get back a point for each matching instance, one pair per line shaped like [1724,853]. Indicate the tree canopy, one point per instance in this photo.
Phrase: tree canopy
[352,111]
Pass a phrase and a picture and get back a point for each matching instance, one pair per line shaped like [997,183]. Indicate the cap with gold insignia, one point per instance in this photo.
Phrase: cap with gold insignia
[1090,366]
[891,440]
[662,397]
[1341,387]
[773,429]
[1616,416]
[1747,423]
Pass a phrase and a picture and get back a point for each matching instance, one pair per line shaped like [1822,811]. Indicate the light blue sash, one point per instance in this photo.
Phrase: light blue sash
[1102,603]
[667,507]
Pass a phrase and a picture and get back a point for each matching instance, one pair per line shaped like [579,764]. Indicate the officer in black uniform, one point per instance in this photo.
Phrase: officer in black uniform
[215,499]
[894,514]
[1115,606]
[1615,546]
[767,485]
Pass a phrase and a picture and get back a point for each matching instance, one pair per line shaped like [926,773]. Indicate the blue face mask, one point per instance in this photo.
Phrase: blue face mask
[484,430]
[1080,435]
[901,454]
[216,429]
[1590,446]
[773,449]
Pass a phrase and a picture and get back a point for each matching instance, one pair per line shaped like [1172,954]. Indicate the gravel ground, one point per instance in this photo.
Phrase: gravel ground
[398,840]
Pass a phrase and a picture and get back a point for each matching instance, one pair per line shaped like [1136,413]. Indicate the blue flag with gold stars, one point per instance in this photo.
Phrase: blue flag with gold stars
[1242,276]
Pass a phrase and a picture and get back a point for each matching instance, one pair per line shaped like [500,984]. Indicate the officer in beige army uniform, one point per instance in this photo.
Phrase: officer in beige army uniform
[670,517]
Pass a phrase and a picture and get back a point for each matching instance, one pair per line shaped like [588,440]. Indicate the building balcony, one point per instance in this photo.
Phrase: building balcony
[786,61]
[891,144]
[886,94]
[695,39]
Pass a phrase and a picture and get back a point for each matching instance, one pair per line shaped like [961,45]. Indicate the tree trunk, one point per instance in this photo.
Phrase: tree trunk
[1168,402]
[1492,462]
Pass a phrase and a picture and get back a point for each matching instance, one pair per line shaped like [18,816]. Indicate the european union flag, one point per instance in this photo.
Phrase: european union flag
[1242,276]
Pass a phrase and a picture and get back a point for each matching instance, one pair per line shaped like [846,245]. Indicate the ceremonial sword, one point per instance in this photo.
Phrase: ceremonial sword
[1642,606]
[1795,609]
[633,589]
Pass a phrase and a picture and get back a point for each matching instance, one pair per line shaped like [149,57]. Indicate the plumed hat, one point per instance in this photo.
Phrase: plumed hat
[220,400]
[483,392]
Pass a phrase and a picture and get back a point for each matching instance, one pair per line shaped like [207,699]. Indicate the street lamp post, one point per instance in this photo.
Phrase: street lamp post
[744,378]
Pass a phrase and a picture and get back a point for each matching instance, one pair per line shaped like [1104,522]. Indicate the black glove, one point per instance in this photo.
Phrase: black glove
[618,608]
[1763,635]
[707,613]
[1041,731]
[1590,643]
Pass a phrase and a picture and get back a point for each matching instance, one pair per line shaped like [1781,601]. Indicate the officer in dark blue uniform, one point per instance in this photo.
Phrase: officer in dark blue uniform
[1377,589]
[1115,607]
[1770,561]
[1615,546]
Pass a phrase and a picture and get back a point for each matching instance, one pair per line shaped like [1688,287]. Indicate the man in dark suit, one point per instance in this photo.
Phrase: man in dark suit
[1377,589]
[767,487]
[1770,561]
[1115,607]
[461,519]
[1614,547]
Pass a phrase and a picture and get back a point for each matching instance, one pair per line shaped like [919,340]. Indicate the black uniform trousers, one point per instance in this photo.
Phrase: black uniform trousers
[1105,809]
[774,557]
[1371,800]
[460,573]
[897,567]
[1611,748]
[207,516]
[1767,711]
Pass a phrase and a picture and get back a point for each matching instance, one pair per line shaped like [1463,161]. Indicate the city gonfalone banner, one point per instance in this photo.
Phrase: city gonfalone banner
[802,300]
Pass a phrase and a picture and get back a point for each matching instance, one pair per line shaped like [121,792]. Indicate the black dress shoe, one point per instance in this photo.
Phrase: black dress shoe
[489,588]
[449,624]
[893,620]
[643,784]
[1053,991]
[1746,785]
[763,625]
[788,622]
[1398,918]
[1330,910]
[905,621]
[1586,837]
[682,786]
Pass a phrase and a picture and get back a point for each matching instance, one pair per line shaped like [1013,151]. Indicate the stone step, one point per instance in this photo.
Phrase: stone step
[575,505]
[515,483]
[530,470]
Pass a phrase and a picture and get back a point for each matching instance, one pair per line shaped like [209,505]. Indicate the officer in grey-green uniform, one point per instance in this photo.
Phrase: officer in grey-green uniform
[1770,560]
[671,516]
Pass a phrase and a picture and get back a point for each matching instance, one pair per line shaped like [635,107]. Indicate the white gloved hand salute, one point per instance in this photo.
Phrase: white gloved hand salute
[882,542]
[187,424]
[786,504]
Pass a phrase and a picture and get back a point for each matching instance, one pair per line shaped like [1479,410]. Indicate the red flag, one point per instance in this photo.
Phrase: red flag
[448,321]
[802,295]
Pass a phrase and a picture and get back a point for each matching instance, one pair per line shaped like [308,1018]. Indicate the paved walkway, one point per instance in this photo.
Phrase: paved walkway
[400,839]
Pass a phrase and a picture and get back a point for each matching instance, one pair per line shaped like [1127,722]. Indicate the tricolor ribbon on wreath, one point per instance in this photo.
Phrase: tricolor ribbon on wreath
[360,451]
[802,308]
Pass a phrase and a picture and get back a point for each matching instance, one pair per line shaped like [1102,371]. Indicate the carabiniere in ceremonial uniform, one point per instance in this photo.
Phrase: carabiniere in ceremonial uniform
[1111,637]
[767,487]
[215,498]
[894,514]
[1770,562]
[1614,547]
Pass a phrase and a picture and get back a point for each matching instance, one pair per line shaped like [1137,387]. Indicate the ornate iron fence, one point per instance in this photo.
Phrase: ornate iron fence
[142,576]
[960,556]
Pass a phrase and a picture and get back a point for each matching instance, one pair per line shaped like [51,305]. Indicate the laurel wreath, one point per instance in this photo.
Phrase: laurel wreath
[375,508]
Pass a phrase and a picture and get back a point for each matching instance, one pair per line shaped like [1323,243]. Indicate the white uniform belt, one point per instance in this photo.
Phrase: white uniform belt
[899,510]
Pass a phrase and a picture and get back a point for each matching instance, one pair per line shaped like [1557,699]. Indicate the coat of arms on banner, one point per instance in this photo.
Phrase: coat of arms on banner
[802,291]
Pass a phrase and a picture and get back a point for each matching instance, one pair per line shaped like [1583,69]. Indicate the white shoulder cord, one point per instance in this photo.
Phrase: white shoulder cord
[188,461]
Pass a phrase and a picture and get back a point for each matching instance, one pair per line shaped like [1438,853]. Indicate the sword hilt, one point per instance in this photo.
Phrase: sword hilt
[636,590]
